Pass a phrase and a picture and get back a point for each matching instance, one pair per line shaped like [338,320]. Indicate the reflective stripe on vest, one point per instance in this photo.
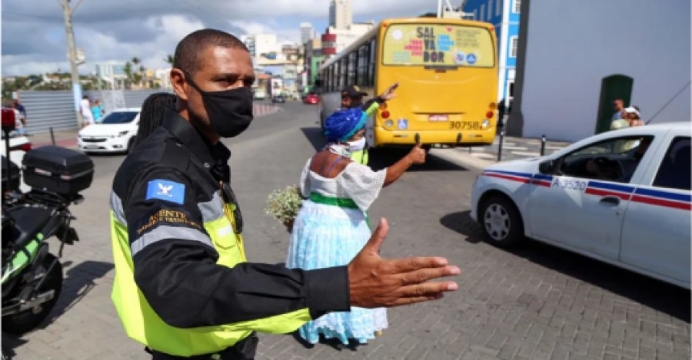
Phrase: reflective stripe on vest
[145,326]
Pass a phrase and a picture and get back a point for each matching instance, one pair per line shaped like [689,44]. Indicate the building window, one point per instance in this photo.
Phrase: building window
[513,46]
[517,6]
[490,10]
[498,7]
[481,16]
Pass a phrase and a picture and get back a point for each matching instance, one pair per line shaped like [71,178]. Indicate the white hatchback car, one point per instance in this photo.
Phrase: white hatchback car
[622,197]
[115,133]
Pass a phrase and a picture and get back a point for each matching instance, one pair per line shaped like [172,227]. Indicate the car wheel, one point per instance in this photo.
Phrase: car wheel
[501,221]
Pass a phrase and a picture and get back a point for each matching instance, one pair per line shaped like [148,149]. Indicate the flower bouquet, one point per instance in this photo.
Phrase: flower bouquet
[283,205]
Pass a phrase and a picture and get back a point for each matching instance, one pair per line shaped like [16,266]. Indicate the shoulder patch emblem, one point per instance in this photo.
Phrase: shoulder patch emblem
[166,190]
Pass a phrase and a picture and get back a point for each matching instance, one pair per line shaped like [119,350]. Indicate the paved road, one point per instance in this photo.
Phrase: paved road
[533,303]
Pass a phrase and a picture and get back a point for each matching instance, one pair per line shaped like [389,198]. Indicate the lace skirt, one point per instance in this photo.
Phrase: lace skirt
[326,236]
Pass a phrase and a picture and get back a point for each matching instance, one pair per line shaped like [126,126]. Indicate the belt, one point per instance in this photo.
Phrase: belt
[243,350]
[328,200]
[339,202]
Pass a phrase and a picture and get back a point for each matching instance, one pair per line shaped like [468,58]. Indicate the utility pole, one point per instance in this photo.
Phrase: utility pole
[72,54]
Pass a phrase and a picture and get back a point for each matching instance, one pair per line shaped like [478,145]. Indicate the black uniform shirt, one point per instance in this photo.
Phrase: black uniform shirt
[175,172]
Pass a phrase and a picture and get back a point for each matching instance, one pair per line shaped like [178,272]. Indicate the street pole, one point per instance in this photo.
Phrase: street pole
[72,51]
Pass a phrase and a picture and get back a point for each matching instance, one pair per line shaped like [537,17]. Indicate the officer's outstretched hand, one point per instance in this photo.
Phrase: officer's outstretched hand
[377,282]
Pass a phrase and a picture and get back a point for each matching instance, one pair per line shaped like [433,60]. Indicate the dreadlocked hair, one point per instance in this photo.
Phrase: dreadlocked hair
[151,115]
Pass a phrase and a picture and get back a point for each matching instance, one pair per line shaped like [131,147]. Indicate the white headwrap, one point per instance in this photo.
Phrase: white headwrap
[632,111]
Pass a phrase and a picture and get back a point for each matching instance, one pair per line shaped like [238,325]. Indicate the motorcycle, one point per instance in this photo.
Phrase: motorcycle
[32,277]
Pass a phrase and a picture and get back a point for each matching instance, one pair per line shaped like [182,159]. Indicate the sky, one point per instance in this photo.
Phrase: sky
[34,40]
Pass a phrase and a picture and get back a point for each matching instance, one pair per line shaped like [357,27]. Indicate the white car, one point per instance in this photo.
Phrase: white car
[114,133]
[260,94]
[622,197]
[19,145]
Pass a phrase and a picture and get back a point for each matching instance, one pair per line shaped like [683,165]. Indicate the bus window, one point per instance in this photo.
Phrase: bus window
[362,75]
[438,45]
[339,74]
[372,63]
[351,69]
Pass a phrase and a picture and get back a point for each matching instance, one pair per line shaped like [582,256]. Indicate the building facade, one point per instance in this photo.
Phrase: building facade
[505,16]
[335,40]
[263,45]
[164,76]
[313,59]
[112,73]
[340,14]
[307,32]
[568,74]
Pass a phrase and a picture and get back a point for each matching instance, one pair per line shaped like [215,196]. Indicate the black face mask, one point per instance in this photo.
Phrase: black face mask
[229,111]
[356,104]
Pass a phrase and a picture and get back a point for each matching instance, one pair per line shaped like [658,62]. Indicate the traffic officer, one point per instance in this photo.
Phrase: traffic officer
[182,285]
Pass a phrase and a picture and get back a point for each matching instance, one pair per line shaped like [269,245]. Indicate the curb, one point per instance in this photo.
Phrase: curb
[68,143]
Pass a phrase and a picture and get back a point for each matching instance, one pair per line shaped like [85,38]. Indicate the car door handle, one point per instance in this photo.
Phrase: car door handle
[612,200]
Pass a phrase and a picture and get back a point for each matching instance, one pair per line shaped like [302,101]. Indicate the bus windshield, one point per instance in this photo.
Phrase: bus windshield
[438,45]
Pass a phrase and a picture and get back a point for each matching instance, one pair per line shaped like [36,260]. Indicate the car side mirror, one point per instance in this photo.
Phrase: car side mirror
[547,167]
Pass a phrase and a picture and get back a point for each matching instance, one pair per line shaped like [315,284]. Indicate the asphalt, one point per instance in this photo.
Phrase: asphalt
[535,302]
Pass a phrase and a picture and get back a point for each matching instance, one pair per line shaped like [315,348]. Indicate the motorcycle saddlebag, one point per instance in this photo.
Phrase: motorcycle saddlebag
[57,169]
[10,178]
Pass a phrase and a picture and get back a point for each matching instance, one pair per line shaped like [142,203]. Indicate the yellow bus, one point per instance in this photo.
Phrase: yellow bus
[447,70]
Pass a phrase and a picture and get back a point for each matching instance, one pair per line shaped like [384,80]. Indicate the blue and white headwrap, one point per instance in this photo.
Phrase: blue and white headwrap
[343,124]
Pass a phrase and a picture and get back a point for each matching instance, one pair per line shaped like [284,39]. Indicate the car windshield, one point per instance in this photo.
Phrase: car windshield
[119,117]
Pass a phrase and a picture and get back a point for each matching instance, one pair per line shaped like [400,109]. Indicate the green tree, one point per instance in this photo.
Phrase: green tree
[34,80]
[169,59]
[128,74]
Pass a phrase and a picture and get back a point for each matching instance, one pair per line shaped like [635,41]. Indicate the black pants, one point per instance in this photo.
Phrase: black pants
[243,350]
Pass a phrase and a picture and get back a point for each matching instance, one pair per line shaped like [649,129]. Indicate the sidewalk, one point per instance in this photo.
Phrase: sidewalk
[513,148]
[64,138]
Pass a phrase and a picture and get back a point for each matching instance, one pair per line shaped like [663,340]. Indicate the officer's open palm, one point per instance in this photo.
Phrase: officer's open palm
[377,282]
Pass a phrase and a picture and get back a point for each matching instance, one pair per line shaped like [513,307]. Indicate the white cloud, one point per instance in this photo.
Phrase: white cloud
[117,30]
[271,27]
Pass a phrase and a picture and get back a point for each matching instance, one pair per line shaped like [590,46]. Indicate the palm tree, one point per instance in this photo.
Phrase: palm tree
[127,69]
[169,59]
[142,72]
[137,78]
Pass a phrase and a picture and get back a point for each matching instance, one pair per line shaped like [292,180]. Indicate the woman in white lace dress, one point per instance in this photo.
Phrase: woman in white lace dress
[332,225]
